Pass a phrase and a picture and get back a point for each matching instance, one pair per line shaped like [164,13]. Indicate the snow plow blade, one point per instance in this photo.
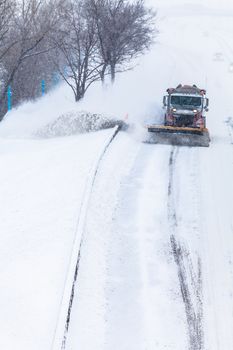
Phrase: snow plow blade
[180,136]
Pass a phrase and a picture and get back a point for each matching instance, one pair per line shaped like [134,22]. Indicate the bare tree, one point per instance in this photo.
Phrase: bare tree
[81,39]
[30,24]
[7,10]
[37,65]
[125,30]
[78,44]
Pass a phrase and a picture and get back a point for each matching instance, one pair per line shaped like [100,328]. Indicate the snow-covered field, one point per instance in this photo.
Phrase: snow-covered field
[156,268]
[42,184]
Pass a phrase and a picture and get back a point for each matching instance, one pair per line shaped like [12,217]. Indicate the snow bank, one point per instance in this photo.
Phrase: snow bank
[75,122]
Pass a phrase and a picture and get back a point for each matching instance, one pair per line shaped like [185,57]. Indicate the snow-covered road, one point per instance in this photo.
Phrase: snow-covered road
[156,269]
[157,266]
[127,275]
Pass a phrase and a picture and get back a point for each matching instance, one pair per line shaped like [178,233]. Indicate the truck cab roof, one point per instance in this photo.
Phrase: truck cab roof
[187,90]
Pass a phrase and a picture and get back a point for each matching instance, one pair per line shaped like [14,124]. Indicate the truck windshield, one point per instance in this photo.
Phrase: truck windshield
[186,101]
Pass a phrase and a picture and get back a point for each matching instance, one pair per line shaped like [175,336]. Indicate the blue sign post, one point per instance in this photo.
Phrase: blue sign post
[43,87]
[9,94]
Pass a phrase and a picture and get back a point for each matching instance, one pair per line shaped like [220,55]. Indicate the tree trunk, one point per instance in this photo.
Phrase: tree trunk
[102,73]
[79,94]
[113,72]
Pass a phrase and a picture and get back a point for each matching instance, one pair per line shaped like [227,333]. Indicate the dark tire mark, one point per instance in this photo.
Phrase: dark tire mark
[83,211]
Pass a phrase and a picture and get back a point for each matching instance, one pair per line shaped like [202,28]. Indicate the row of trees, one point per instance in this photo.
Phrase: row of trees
[82,40]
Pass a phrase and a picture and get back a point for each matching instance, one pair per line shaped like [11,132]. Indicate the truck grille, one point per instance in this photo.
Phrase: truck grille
[184,120]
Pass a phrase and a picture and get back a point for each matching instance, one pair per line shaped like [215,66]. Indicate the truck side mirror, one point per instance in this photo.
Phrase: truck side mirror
[206,103]
[164,101]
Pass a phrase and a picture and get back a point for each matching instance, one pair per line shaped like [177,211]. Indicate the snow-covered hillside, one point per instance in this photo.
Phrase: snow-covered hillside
[156,263]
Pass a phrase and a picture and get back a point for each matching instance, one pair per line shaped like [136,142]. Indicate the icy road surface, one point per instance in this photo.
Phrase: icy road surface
[157,263]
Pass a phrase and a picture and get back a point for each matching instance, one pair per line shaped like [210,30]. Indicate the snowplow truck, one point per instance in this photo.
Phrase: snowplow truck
[184,119]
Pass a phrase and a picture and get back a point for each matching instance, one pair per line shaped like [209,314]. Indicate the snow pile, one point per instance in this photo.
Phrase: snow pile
[75,122]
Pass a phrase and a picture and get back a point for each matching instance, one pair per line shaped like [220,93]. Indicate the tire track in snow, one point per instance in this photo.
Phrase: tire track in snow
[62,328]
[190,282]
